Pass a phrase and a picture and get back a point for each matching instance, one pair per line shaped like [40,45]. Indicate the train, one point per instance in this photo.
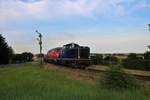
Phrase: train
[72,55]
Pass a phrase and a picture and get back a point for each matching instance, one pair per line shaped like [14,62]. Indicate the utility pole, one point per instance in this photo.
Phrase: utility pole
[40,43]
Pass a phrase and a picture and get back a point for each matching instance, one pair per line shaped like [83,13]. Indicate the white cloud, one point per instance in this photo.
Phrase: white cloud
[11,10]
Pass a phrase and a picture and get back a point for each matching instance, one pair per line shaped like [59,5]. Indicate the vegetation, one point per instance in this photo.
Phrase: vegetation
[97,59]
[7,54]
[5,51]
[104,60]
[110,60]
[30,82]
[24,57]
[116,78]
[147,56]
[135,62]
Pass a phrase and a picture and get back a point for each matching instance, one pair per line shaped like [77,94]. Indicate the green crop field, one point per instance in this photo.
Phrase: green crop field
[30,82]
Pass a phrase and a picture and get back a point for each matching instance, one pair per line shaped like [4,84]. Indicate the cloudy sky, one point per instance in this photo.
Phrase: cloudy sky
[107,26]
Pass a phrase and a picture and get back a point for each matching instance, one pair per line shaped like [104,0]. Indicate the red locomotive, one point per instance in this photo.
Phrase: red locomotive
[54,53]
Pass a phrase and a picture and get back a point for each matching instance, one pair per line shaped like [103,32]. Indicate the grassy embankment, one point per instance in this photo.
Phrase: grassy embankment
[30,82]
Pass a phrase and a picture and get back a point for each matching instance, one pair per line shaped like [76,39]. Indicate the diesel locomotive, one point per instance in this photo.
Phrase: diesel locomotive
[70,54]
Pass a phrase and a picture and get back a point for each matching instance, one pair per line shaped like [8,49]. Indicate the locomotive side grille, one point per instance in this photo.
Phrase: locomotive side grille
[84,52]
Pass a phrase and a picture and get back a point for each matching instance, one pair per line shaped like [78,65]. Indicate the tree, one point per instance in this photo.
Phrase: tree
[4,51]
[110,59]
[11,54]
[132,56]
[135,62]
[147,56]
[23,57]
[27,56]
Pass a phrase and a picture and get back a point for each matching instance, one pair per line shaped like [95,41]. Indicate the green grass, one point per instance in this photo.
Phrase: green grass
[30,82]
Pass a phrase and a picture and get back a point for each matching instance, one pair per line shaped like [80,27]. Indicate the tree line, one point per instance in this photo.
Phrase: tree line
[132,60]
[8,56]
[104,59]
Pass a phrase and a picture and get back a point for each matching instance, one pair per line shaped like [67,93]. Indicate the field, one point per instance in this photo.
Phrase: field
[49,82]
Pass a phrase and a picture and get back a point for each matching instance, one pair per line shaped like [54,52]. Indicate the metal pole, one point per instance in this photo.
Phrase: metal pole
[40,43]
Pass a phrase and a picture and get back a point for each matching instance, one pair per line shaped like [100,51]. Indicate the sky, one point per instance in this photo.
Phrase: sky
[106,26]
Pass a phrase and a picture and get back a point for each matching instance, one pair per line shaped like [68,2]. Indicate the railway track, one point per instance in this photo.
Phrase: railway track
[142,75]
[94,71]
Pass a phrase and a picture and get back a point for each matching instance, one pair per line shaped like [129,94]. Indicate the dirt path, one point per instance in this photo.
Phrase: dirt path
[144,75]
[77,74]
[128,71]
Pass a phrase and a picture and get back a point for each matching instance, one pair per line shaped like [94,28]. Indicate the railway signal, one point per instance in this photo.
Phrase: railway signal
[39,39]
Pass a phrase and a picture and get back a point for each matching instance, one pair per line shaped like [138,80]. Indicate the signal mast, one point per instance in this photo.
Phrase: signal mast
[39,39]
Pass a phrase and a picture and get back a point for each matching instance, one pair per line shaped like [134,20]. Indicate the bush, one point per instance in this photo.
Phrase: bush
[97,59]
[147,56]
[134,62]
[132,56]
[115,78]
[110,60]
[140,64]
[24,57]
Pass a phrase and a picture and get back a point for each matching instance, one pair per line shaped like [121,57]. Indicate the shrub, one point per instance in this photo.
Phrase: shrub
[115,78]
[140,64]
[132,56]
[147,56]
[24,57]
[110,60]
[137,62]
[97,59]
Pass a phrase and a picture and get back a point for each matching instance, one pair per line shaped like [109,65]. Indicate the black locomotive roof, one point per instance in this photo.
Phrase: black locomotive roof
[70,44]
